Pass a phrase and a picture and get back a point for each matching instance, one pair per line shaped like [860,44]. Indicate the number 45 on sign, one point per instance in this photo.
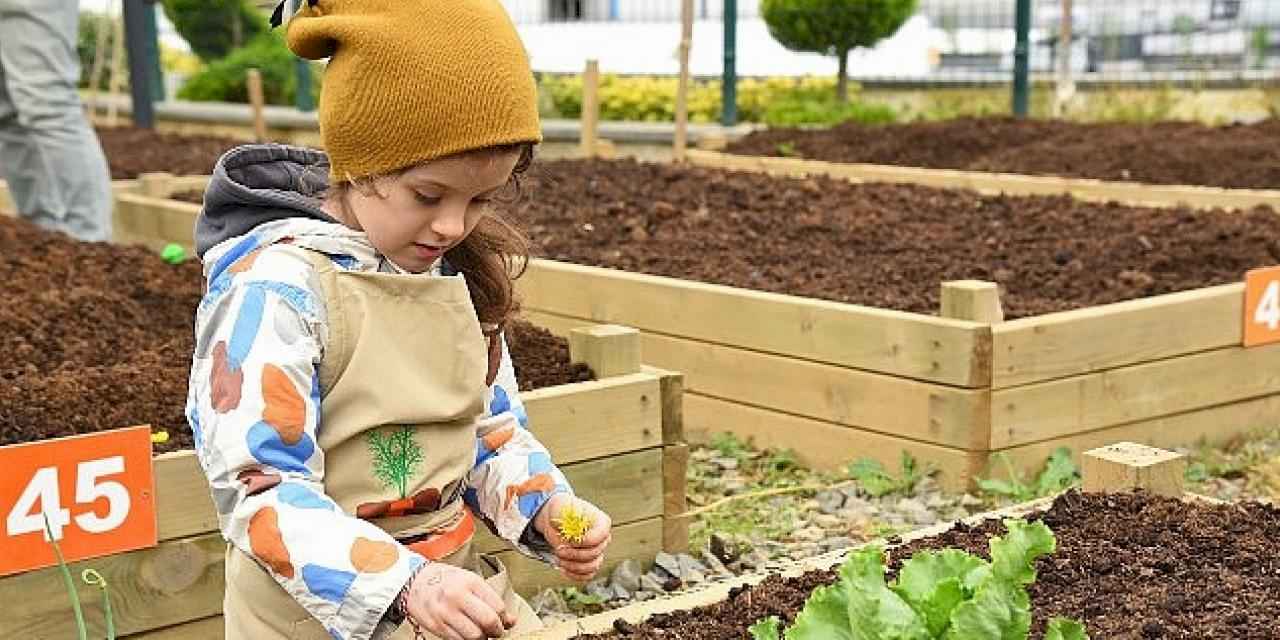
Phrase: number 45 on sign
[1262,306]
[95,491]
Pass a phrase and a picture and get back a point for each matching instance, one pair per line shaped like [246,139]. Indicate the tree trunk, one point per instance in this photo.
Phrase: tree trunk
[237,26]
[842,81]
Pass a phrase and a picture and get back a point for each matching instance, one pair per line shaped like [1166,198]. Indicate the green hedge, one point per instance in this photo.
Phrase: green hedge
[779,101]
[225,80]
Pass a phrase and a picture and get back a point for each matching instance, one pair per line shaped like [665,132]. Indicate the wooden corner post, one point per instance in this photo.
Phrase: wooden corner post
[972,300]
[1127,465]
[609,349]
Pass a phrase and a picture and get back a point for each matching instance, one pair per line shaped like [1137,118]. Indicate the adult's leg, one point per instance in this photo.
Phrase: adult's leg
[49,154]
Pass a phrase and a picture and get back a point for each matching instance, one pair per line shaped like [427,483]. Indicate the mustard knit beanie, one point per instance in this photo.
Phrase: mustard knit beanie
[415,80]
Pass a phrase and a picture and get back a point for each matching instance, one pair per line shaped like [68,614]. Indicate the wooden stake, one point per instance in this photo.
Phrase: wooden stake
[1065,86]
[972,300]
[1127,465]
[254,80]
[117,69]
[682,90]
[675,527]
[590,107]
[99,58]
[609,349]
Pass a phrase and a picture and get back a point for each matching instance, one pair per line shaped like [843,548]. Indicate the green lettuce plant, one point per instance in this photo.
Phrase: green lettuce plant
[947,594]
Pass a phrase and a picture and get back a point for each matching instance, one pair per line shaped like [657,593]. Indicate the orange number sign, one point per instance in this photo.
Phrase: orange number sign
[1262,306]
[95,491]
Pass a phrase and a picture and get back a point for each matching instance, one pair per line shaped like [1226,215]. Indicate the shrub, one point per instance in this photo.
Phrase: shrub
[224,80]
[210,26]
[834,27]
[804,100]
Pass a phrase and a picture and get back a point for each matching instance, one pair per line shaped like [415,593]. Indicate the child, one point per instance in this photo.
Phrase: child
[352,397]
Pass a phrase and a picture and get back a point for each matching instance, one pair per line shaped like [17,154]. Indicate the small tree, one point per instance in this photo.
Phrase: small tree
[214,28]
[834,27]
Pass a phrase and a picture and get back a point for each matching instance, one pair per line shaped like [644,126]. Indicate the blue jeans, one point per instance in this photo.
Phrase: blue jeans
[49,154]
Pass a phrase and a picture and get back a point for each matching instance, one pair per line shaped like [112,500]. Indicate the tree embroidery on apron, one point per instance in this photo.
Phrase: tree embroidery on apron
[396,457]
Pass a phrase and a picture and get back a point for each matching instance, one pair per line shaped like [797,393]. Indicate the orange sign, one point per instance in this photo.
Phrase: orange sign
[1262,306]
[95,492]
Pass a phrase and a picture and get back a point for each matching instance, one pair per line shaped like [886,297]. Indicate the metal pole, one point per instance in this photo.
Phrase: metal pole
[152,42]
[1021,59]
[140,69]
[303,100]
[729,83]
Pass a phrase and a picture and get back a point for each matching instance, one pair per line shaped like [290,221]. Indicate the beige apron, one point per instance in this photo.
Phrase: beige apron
[403,380]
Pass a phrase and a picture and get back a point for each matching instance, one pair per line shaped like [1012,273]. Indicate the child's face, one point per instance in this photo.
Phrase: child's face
[423,212]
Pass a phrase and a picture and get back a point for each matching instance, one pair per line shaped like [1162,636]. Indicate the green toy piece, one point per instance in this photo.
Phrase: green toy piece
[173,254]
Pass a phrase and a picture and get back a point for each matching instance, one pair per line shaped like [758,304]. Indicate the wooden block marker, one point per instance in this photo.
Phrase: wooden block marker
[590,108]
[155,184]
[1127,465]
[609,349]
[254,80]
[972,300]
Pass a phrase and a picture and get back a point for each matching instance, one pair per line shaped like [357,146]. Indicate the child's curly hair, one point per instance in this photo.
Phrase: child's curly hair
[492,256]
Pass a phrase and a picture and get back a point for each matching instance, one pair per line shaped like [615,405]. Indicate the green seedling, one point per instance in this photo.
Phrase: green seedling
[876,481]
[90,577]
[1059,474]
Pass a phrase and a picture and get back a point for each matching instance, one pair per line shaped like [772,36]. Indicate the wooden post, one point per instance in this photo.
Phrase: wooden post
[1127,465]
[1066,88]
[117,70]
[155,184]
[609,349]
[254,80]
[972,300]
[590,107]
[682,90]
[675,527]
[99,59]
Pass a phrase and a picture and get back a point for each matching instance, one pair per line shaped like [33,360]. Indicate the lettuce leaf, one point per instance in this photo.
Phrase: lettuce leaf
[1013,556]
[1065,629]
[768,629]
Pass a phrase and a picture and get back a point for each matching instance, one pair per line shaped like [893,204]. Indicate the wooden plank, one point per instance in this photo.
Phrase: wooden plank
[207,629]
[1214,426]
[1132,193]
[1050,410]
[628,487]
[175,582]
[822,444]
[973,300]
[640,541]
[588,420]
[938,414]
[183,503]
[675,468]
[1108,336]
[893,342]
[154,222]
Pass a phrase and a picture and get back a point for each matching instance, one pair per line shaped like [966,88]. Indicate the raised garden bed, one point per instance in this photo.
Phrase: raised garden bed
[1164,164]
[1127,565]
[99,337]
[808,313]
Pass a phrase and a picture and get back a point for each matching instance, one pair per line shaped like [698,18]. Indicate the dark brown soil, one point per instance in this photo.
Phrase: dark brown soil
[882,245]
[194,197]
[1129,566]
[1244,156]
[542,359]
[98,336]
[131,151]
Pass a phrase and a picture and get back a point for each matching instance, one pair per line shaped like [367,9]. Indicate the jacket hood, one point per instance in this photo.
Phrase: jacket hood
[256,184]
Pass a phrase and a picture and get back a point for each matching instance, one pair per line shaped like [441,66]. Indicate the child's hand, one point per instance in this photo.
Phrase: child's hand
[456,604]
[580,559]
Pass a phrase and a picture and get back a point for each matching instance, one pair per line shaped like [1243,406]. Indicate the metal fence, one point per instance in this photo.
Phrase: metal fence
[973,41]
